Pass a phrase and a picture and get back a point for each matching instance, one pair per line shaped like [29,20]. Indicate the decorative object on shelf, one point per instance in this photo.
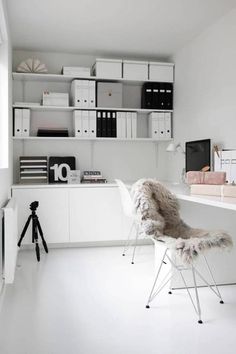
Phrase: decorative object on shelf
[74,177]
[93,177]
[33,169]
[53,132]
[172,147]
[60,167]
[55,99]
[31,65]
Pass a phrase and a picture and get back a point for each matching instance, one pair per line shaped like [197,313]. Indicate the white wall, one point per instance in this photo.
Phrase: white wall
[205,90]
[125,160]
[6,174]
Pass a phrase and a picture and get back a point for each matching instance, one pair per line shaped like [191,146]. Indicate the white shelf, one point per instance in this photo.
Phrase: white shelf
[66,78]
[87,139]
[73,108]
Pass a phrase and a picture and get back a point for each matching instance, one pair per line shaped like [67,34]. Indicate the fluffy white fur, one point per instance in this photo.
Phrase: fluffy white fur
[158,210]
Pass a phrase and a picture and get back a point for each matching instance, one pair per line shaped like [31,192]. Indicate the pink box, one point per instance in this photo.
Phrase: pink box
[199,177]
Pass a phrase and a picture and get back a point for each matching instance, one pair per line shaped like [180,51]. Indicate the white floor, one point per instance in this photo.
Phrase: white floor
[92,301]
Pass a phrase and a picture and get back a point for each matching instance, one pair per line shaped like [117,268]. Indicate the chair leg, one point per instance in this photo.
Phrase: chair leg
[150,298]
[135,243]
[213,279]
[128,241]
[197,297]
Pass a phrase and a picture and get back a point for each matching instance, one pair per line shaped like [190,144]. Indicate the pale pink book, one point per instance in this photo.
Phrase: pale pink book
[199,177]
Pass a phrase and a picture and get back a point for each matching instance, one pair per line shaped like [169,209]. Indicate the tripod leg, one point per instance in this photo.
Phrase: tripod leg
[35,239]
[24,230]
[42,237]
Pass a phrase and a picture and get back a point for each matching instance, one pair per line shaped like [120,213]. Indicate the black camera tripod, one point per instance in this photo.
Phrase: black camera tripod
[35,229]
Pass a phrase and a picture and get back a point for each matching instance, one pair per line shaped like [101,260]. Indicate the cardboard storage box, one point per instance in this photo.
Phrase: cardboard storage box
[108,68]
[109,95]
[135,70]
[162,72]
[55,99]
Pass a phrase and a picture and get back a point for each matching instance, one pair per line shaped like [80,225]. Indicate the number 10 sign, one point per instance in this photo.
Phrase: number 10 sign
[59,168]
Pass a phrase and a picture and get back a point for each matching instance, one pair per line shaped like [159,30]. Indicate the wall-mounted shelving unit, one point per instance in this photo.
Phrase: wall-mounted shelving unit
[28,88]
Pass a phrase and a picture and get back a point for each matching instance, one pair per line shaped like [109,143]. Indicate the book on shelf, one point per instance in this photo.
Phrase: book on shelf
[53,132]
[217,190]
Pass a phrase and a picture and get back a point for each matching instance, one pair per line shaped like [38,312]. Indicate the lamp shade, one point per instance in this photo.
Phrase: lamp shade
[171,147]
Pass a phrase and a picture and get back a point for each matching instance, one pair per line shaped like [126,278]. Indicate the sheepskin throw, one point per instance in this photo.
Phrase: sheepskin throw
[158,210]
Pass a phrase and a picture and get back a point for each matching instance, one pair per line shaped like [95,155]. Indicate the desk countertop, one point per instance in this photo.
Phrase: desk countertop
[181,190]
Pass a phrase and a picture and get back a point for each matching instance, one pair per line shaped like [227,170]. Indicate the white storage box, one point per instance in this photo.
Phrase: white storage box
[162,72]
[55,99]
[135,70]
[109,95]
[76,71]
[108,68]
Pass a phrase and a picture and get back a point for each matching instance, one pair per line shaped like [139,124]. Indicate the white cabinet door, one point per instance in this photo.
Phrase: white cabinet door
[52,212]
[95,214]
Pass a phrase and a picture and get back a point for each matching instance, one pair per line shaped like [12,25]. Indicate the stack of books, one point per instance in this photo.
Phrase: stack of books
[33,169]
[93,177]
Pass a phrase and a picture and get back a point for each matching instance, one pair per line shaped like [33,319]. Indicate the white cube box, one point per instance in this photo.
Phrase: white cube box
[107,68]
[135,70]
[162,72]
[55,99]
[109,94]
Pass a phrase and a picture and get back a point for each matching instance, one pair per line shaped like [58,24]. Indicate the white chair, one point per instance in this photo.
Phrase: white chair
[180,244]
[128,209]
[168,255]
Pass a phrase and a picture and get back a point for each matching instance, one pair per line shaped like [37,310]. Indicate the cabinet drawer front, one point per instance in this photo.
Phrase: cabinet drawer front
[95,215]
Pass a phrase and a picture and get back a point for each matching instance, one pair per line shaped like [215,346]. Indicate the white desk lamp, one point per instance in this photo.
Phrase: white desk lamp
[172,147]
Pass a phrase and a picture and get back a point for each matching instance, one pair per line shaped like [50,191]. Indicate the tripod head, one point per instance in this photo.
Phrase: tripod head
[34,205]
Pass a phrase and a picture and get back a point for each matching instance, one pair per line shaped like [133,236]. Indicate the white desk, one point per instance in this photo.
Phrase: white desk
[208,212]
[182,191]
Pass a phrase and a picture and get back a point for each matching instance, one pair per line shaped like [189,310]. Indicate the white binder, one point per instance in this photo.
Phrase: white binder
[134,125]
[85,93]
[91,93]
[77,93]
[153,126]
[121,125]
[92,124]
[78,128]
[18,122]
[168,125]
[25,122]
[85,124]
[161,125]
[128,125]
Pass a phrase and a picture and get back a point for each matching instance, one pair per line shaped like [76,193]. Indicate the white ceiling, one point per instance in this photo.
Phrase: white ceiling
[140,28]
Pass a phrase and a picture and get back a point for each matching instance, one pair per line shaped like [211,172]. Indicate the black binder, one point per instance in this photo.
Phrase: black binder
[147,92]
[109,124]
[156,100]
[168,95]
[113,125]
[104,124]
[99,124]
[162,95]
